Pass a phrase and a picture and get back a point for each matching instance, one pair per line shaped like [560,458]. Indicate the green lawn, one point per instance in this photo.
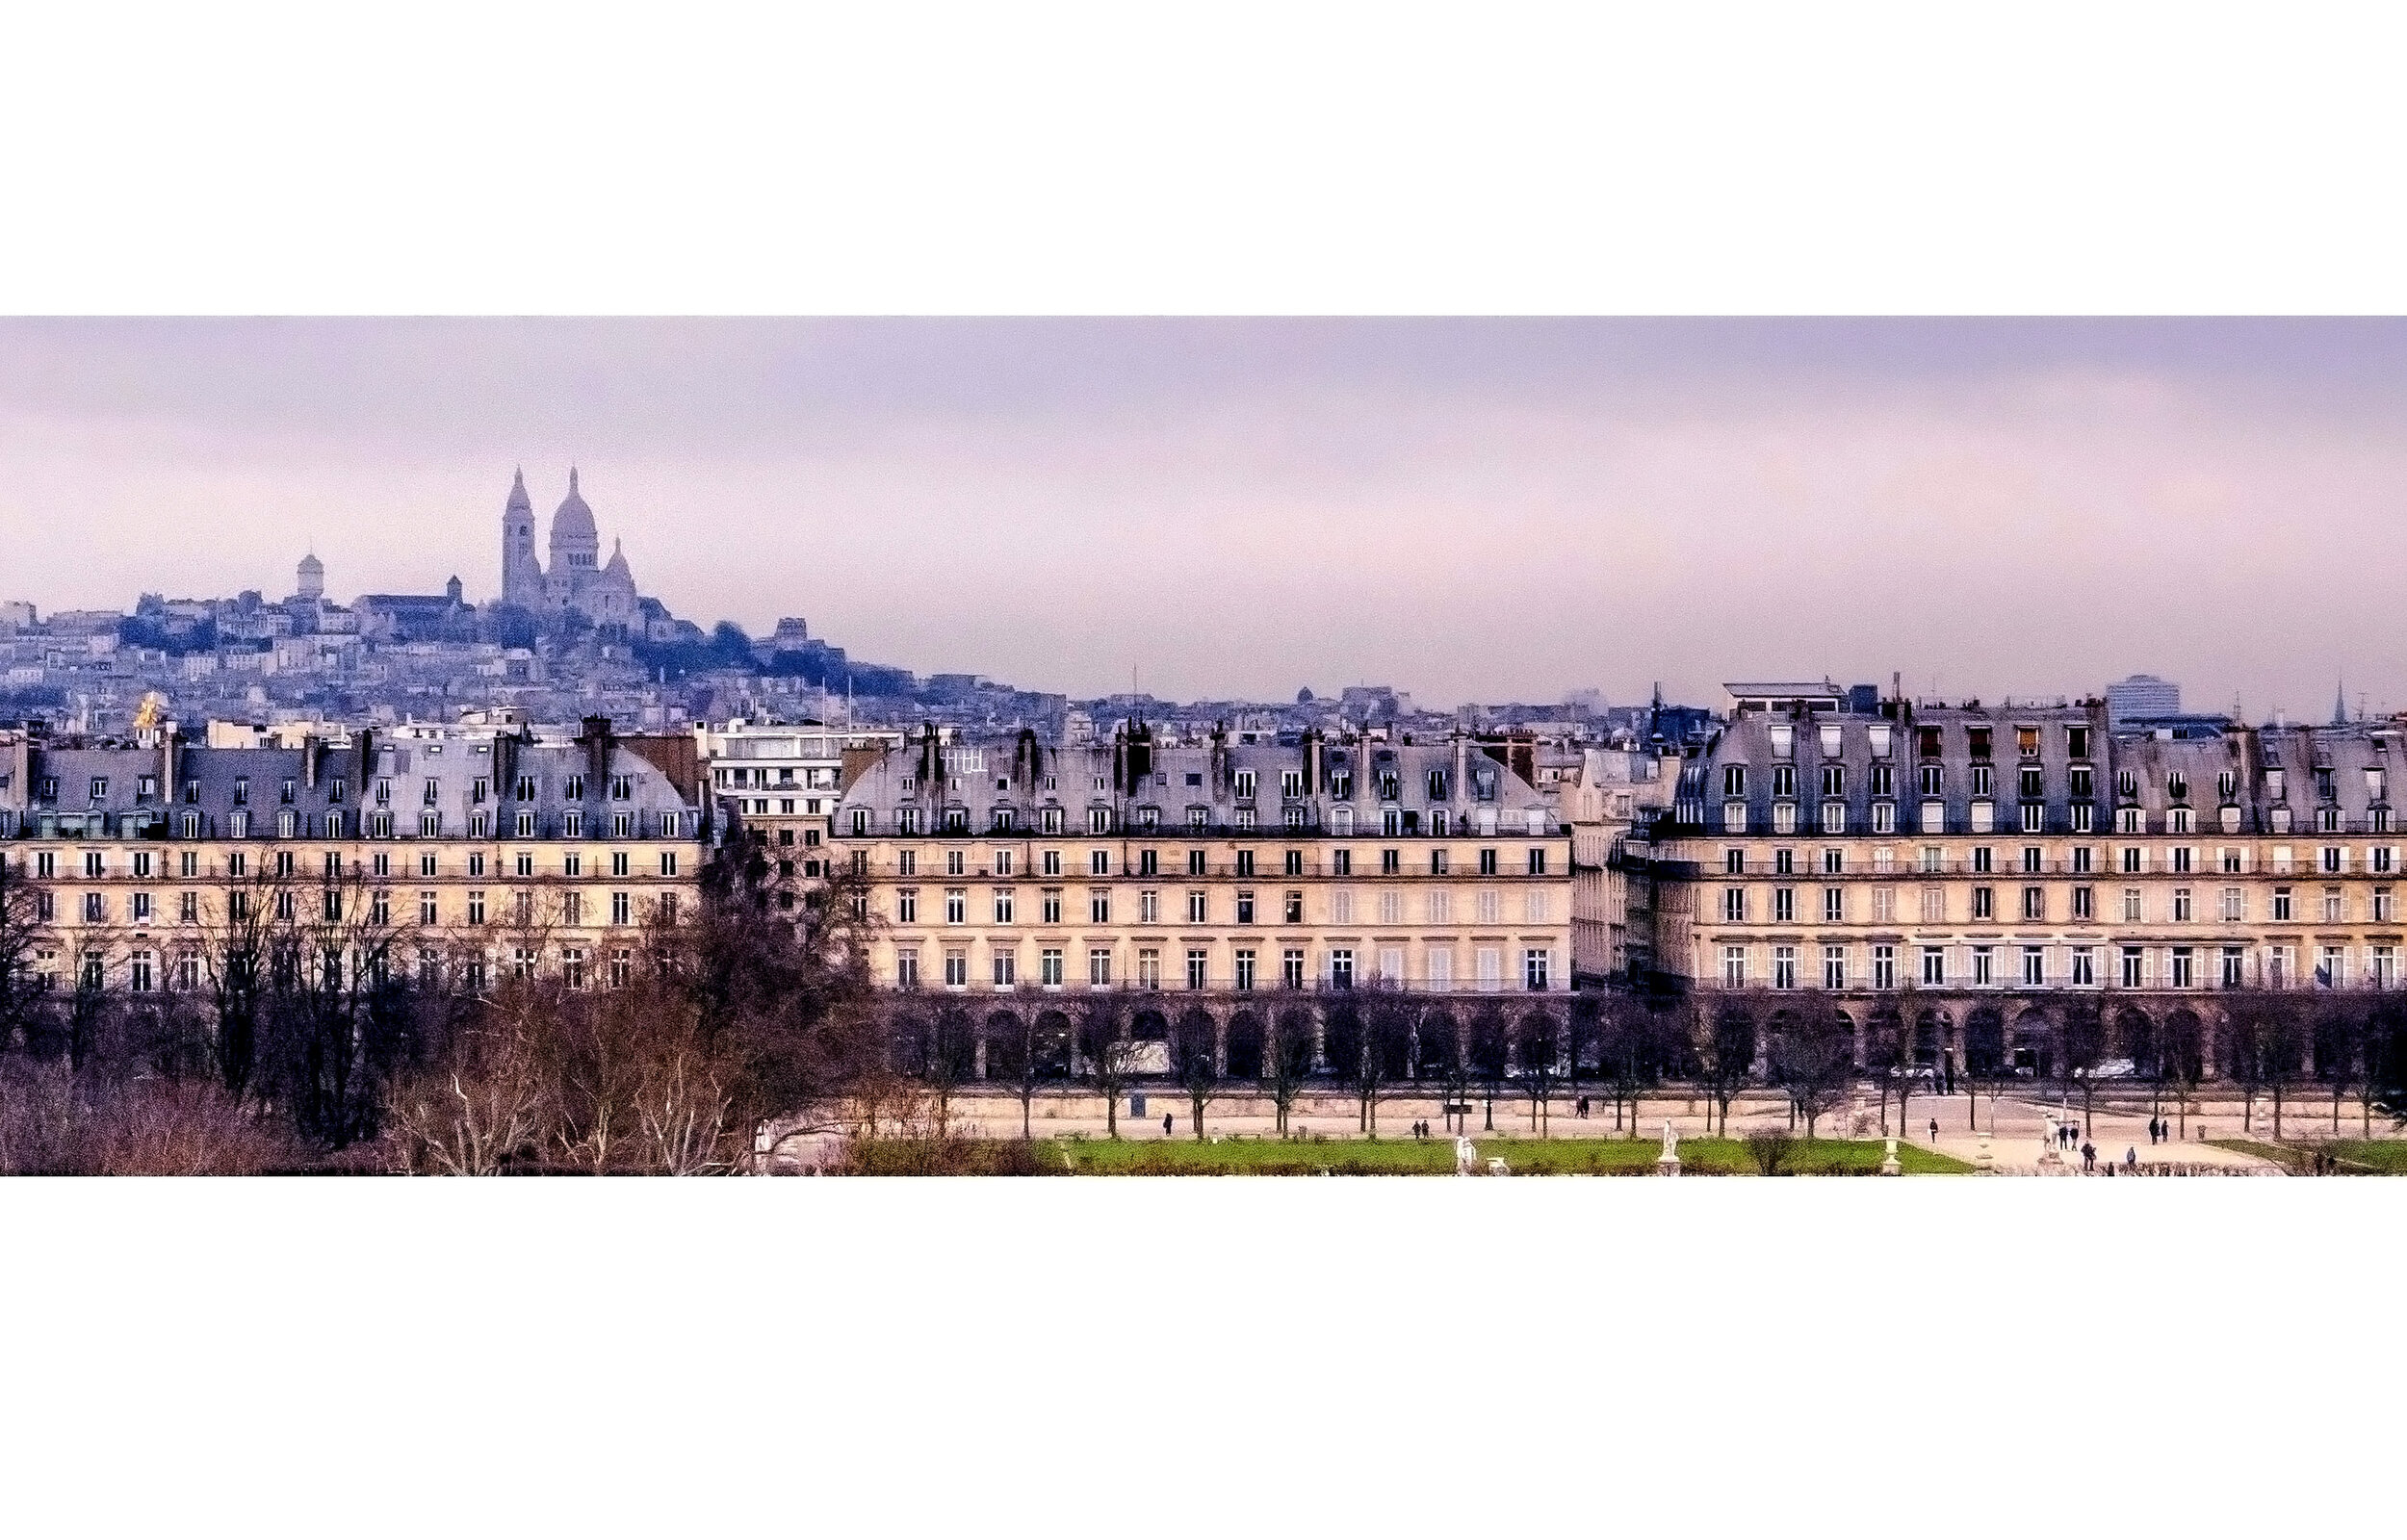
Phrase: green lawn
[1524,1157]
[2358,1156]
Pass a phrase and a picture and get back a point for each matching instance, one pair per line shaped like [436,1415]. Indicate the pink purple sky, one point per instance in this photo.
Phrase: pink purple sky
[1466,509]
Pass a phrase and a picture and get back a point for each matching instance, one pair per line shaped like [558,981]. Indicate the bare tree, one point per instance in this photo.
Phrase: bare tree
[1811,1051]
[21,926]
[1030,1048]
[1491,1057]
[1288,1052]
[2282,1046]
[1537,1049]
[1107,1057]
[1770,1149]
[1725,1031]
[1195,1064]
[2080,1048]
[1628,1047]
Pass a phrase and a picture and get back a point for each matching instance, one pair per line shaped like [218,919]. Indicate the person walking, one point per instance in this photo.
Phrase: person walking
[1934,1130]
[1165,1125]
[2089,1157]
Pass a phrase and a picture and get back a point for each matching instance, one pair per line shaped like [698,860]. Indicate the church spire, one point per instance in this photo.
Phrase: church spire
[2340,703]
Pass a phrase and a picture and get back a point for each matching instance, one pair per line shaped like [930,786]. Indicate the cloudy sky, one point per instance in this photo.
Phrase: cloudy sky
[1466,509]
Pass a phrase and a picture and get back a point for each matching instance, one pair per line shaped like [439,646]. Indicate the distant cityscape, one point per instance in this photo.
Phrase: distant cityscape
[569,635]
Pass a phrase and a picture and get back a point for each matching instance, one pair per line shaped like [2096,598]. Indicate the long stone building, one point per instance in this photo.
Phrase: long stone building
[447,853]
[1994,863]
[1017,877]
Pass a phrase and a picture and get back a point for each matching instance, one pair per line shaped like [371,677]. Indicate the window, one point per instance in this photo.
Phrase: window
[1733,967]
[956,969]
[1734,906]
[2034,904]
[956,906]
[1783,905]
[2135,969]
[1341,968]
[2335,908]
[1884,966]
[1195,907]
[1534,965]
[1049,968]
[1984,902]
[2084,902]
[2180,906]
[2233,969]
[1984,966]
[2383,912]
[1834,967]
[1784,967]
[1934,964]
[1884,906]
[2183,978]
[1834,906]
[2034,966]
[1098,966]
[1934,902]
[2085,966]
[1006,967]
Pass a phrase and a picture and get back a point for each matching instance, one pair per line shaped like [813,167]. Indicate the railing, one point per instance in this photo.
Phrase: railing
[1268,987]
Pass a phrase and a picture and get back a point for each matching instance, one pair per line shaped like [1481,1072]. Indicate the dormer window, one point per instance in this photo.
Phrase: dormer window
[574,790]
[1783,740]
[334,790]
[526,788]
[1927,743]
[100,788]
[1784,781]
[290,789]
[2275,782]
[1734,780]
[2027,742]
[146,788]
[2127,784]
[1245,784]
[2176,786]
[1830,746]
[242,791]
[1976,740]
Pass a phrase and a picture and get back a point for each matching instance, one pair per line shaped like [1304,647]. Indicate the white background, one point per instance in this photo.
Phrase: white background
[2166,1359]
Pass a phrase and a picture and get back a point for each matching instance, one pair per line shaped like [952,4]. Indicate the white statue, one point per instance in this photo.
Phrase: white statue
[1889,1165]
[1465,1156]
[1667,1164]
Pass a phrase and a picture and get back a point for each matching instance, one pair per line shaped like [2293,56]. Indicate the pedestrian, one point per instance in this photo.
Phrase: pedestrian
[2131,1156]
[1934,1130]
[2089,1157]
[1165,1125]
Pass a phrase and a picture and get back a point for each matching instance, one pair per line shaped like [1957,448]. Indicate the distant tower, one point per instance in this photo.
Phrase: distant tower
[521,575]
[312,575]
[2340,703]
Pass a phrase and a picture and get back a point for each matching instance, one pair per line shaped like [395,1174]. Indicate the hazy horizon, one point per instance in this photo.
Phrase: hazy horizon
[1465,509]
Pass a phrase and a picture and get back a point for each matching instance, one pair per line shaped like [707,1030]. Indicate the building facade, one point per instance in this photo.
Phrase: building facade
[452,857]
[1997,862]
[1207,877]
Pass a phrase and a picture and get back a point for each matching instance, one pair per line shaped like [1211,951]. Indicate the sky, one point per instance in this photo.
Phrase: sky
[1465,509]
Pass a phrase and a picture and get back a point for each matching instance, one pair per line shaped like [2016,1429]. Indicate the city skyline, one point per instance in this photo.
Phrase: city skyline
[1688,501]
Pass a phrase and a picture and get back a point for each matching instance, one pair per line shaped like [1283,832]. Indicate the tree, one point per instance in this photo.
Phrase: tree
[20,928]
[1107,1058]
[2183,1054]
[1770,1149]
[2283,1044]
[1726,1051]
[1988,1071]
[1627,1031]
[1537,1047]
[1030,1044]
[1894,1065]
[1195,1064]
[1811,1056]
[2381,1064]
[1287,1051]
[2080,1048]
[1491,1057]
[2242,1052]
[2337,1032]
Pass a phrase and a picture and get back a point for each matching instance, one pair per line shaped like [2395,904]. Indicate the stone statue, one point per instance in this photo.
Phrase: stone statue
[1465,1156]
[1888,1164]
[1667,1164]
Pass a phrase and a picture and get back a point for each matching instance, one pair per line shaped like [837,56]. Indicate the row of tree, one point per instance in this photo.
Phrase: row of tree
[304,1018]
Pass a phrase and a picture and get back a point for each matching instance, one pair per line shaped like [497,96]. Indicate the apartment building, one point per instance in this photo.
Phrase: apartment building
[457,857]
[785,779]
[1994,857]
[1019,868]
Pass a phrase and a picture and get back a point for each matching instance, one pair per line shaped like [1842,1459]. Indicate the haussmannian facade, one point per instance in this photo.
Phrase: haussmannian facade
[1208,876]
[1995,861]
[461,855]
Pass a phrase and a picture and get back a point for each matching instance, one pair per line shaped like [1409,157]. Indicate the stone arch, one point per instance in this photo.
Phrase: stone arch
[2187,1041]
[1197,1031]
[1247,1039]
[1850,1036]
[1931,1037]
[1985,1041]
[2134,1037]
[2031,1043]
[1538,1037]
[1437,1042]
[1149,1025]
